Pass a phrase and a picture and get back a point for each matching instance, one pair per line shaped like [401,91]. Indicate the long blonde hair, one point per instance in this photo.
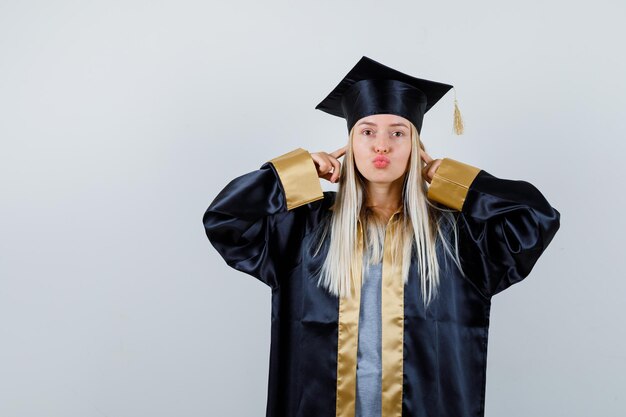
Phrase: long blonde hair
[413,232]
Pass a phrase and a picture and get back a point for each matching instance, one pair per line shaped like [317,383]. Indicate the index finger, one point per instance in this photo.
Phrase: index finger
[425,156]
[339,152]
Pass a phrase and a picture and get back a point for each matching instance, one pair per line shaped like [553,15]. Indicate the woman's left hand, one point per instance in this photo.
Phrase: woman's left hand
[428,172]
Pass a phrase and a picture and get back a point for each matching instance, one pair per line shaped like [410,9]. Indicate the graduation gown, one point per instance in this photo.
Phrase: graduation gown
[433,360]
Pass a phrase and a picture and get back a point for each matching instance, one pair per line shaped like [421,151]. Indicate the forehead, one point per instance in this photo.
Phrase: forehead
[381,120]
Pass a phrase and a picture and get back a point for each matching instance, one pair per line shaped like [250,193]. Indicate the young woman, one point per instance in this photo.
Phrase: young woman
[381,291]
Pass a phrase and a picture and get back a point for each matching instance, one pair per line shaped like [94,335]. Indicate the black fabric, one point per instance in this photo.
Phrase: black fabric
[504,226]
[373,88]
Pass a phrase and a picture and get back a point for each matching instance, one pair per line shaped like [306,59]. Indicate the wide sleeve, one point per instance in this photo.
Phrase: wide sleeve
[503,225]
[258,220]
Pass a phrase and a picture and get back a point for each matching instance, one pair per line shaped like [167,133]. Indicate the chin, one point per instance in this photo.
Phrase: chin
[382,177]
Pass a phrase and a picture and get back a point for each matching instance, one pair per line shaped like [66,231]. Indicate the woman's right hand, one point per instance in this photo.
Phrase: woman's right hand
[327,164]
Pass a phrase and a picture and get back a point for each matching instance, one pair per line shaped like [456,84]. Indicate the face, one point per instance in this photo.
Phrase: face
[382,146]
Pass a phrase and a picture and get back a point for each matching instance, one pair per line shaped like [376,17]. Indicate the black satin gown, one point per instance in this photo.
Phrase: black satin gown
[503,226]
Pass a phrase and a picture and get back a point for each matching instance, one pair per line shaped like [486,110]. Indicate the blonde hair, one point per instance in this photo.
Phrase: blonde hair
[414,230]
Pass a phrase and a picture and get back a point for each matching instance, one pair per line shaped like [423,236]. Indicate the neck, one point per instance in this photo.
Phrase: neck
[384,197]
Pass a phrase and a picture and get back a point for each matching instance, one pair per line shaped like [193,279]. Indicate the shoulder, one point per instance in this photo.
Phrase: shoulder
[322,207]
[310,214]
[322,204]
[318,213]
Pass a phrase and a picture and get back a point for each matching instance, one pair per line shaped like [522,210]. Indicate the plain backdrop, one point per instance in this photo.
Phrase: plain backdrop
[120,121]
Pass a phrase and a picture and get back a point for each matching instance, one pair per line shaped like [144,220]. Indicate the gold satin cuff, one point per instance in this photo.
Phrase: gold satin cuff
[451,182]
[299,178]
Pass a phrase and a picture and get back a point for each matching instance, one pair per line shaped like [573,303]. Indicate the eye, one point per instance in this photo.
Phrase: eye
[367,132]
[400,133]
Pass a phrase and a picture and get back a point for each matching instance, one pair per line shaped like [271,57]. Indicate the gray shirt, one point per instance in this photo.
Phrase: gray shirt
[369,366]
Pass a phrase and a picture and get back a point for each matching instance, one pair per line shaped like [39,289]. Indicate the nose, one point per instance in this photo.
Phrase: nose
[381,146]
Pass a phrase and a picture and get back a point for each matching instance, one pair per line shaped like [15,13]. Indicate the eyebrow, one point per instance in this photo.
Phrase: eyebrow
[374,124]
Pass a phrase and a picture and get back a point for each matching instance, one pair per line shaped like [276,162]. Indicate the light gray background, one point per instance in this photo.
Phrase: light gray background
[120,121]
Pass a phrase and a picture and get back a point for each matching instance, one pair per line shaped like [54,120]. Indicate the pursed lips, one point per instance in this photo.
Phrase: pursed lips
[381,161]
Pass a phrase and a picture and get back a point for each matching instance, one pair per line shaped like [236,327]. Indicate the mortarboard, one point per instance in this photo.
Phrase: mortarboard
[373,88]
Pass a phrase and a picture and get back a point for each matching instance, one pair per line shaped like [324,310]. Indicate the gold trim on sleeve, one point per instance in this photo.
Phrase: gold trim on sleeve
[348,339]
[299,178]
[392,304]
[451,182]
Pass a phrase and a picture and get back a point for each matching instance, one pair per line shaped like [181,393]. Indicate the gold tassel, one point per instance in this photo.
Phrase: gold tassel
[458,120]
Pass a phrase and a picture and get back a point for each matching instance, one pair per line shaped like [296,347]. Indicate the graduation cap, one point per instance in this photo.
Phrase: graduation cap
[373,88]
